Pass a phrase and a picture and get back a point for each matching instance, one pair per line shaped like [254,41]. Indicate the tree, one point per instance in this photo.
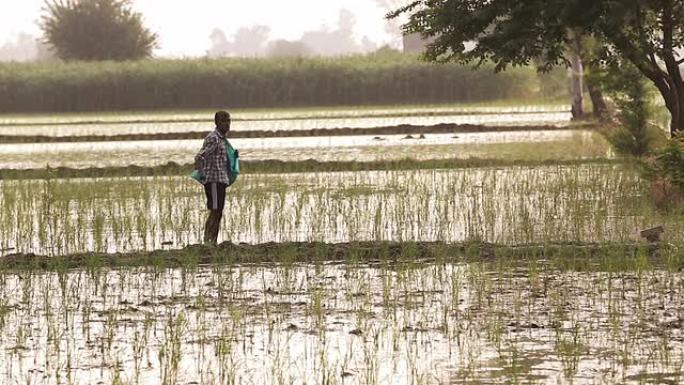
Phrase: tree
[577,73]
[247,41]
[96,30]
[594,73]
[338,41]
[647,33]
[286,48]
[633,96]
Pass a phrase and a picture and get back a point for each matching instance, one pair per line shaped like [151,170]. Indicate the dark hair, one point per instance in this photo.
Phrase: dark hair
[221,115]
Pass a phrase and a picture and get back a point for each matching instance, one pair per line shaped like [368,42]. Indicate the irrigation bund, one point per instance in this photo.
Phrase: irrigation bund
[273,166]
[194,118]
[631,254]
[344,131]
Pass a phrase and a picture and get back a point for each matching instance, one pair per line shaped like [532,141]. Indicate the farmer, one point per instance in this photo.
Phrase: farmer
[212,164]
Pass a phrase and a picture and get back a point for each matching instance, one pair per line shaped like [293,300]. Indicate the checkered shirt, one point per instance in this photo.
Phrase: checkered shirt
[213,159]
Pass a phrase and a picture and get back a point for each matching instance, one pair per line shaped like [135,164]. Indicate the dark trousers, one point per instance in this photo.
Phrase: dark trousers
[216,199]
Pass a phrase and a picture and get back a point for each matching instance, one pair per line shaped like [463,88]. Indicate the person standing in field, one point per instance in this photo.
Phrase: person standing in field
[212,164]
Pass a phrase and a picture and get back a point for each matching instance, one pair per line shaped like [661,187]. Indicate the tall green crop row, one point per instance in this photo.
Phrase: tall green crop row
[388,78]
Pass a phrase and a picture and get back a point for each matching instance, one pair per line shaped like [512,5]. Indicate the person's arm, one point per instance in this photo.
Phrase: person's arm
[209,147]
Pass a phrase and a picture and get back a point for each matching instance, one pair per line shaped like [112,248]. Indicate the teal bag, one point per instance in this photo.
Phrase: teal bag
[233,165]
[196,175]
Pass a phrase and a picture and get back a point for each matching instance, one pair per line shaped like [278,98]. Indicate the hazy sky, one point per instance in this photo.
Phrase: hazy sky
[184,26]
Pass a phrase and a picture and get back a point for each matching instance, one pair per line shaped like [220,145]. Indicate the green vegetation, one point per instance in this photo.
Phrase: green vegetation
[524,259]
[501,314]
[380,79]
[524,151]
[506,205]
[547,32]
[669,163]
[665,170]
[633,98]
[509,257]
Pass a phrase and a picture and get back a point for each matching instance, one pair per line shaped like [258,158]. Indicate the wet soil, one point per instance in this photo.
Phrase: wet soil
[278,166]
[409,129]
[366,252]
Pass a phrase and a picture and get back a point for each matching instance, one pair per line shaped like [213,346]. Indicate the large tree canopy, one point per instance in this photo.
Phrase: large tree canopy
[648,33]
[96,30]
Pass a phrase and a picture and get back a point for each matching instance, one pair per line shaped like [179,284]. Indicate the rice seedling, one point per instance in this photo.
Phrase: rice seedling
[518,205]
[513,273]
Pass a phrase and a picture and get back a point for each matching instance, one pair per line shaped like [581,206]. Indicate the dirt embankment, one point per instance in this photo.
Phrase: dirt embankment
[279,167]
[580,255]
[444,128]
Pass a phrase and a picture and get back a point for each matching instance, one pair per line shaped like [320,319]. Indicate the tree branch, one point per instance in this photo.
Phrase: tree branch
[668,51]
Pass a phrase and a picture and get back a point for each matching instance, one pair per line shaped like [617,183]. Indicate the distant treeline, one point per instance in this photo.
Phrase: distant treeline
[387,78]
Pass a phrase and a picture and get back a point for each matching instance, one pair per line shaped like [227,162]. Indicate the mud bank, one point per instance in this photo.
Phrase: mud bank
[193,118]
[620,256]
[279,167]
[345,131]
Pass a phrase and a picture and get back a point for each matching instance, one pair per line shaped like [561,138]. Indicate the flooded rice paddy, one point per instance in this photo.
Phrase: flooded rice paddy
[548,144]
[388,323]
[513,205]
[616,317]
[286,114]
[537,118]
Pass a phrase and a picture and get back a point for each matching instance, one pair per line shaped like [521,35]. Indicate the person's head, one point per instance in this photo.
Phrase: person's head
[222,120]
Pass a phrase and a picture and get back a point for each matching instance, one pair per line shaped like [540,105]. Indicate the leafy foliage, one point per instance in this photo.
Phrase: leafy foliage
[647,33]
[633,97]
[669,163]
[96,30]
[504,32]
[666,174]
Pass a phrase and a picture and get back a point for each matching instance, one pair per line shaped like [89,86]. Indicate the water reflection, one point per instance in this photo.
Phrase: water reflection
[56,129]
[574,143]
[351,324]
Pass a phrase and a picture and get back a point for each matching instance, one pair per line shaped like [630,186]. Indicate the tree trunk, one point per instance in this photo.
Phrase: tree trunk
[677,126]
[675,83]
[576,77]
[668,80]
[673,103]
[669,87]
[598,102]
